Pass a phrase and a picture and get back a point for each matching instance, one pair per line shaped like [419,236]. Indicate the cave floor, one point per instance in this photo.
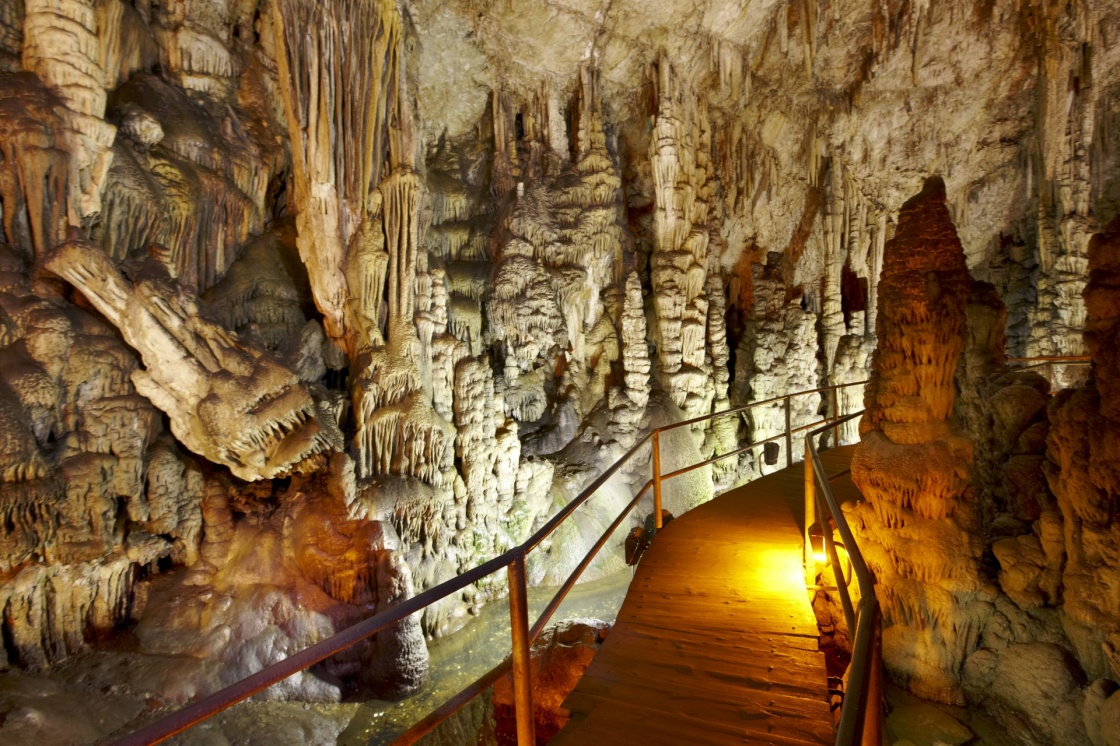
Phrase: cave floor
[716,642]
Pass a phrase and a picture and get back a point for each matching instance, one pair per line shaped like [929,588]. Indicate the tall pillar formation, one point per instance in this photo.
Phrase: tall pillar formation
[917,527]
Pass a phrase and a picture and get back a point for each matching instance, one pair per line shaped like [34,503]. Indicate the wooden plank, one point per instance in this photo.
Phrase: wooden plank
[751,704]
[716,642]
[617,721]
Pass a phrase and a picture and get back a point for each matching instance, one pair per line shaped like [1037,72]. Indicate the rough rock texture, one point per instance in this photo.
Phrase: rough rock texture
[777,354]
[93,496]
[913,466]
[483,246]
[230,402]
[1027,645]
[1081,471]
[559,657]
[270,587]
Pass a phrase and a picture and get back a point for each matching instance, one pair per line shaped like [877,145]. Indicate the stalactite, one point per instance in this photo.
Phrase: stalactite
[35,169]
[338,67]
[62,46]
[402,192]
[1063,176]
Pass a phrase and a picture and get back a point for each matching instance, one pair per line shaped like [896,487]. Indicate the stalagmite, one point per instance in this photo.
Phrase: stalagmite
[913,466]
[681,163]
[628,402]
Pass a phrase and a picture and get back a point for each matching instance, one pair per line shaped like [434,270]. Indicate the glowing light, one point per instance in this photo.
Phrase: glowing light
[776,569]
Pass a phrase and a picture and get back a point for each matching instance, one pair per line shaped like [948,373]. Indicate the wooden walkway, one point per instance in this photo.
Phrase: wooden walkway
[716,642]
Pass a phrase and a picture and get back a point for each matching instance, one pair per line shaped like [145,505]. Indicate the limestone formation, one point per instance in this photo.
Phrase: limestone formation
[337,68]
[776,355]
[629,401]
[680,154]
[913,466]
[420,270]
[76,435]
[228,401]
[1081,469]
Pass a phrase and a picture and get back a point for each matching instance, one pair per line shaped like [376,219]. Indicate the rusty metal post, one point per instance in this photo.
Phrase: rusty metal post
[835,416]
[789,435]
[656,479]
[810,502]
[873,707]
[519,635]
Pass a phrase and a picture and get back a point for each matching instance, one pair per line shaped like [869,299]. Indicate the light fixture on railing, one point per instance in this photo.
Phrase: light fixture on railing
[816,541]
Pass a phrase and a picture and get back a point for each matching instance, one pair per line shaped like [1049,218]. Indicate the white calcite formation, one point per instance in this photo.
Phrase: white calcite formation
[422,269]
[680,154]
[74,435]
[777,354]
[628,401]
[228,401]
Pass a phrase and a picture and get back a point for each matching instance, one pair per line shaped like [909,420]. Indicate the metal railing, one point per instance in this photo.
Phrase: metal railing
[1048,362]
[861,712]
[521,635]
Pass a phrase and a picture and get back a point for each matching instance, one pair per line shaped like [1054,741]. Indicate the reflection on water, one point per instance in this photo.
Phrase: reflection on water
[461,658]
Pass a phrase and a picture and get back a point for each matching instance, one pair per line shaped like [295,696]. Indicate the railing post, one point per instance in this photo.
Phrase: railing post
[656,479]
[810,502]
[835,417]
[519,634]
[789,435]
[873,707]
[1050,374]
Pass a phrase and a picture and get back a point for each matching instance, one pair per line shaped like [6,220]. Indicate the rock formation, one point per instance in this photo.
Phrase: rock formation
[777,354]
[402,277]
[913,465]
[1024,646]
[1081,473]
[93,495]
[229,402]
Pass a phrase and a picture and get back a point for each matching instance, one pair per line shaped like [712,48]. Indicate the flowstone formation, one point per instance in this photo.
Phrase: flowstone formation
[996,593]
[918,527]
[308,306]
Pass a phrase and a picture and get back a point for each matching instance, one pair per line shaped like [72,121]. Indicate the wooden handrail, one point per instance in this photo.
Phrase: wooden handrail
[513,560]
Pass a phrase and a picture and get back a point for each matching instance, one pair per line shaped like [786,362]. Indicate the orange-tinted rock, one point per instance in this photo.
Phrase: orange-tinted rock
[1083,454]
[560,656]
[918,526]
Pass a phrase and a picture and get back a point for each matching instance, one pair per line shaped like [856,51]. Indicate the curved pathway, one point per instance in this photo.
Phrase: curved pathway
[716,642]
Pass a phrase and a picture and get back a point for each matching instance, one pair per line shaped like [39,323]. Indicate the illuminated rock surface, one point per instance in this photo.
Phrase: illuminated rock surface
[397,280]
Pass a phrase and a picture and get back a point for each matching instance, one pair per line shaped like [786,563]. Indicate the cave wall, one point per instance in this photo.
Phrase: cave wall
[418,271]
[988,518]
